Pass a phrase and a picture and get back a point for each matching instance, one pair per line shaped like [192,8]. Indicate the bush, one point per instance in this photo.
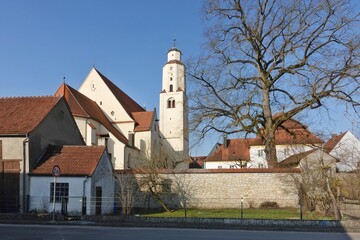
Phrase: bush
[269,205]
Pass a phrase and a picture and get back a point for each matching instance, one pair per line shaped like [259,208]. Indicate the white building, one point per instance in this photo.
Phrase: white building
[346,148]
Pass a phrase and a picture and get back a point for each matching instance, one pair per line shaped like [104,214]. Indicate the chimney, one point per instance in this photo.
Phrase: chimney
[131,139]
[225,144]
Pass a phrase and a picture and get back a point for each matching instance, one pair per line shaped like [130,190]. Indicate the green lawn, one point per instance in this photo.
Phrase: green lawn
[254,213]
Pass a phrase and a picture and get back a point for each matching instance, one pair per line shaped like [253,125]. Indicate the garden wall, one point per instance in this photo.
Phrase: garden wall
[224,188]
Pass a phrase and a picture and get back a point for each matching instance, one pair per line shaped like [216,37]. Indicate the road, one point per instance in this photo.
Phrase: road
[60,232]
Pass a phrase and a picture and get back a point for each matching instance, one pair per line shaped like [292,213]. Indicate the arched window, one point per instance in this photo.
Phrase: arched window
[171,103]
[171,88]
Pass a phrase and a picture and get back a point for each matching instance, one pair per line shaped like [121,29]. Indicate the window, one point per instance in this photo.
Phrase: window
[260,153]
[171,88]
[286,152]
[61,191]
[171,68]
[261,165]
[171,79]
[171,103]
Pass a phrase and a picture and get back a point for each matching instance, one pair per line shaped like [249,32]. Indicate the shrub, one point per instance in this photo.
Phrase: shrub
[269,204]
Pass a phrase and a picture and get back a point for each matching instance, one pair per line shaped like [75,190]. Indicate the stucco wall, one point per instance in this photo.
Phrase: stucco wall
[103,177]
[225,189]
[40,193]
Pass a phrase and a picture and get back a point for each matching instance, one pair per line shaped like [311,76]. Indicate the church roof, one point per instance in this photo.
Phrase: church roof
[127,102]
[174,61]
[143,120]
[82,106]
[174,49]
[72,160]
[21,115]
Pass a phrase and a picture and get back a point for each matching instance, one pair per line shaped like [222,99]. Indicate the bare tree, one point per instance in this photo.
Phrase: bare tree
[316,184]
[184,188]
[152,180]
[127,190]
[267,56]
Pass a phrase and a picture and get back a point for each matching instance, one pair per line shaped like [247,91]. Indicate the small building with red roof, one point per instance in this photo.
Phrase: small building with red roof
[86,174]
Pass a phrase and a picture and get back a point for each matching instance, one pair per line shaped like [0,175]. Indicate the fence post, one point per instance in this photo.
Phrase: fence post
[242,206]
[301,209]
[83,205]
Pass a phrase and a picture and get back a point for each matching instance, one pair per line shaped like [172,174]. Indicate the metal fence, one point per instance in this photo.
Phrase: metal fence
[9,204]
[74,205]
[191,207]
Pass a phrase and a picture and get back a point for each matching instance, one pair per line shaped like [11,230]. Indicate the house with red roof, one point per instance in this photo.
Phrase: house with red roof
[346,148]
[28,126]
[85,184]
[292,137]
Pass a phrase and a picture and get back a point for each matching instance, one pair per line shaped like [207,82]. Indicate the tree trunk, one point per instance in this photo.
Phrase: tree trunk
[335,206]
[160,200]
[270,150]
[269,133]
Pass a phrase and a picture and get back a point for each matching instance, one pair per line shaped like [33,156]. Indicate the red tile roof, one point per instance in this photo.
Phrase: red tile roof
[143,120]
[21,115]
[292,132]
[237,150]
[197,162]
[82,106]
[127,102]
[72,160]
[333,141]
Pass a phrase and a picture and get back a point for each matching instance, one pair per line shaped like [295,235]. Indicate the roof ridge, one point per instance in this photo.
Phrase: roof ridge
[44,96]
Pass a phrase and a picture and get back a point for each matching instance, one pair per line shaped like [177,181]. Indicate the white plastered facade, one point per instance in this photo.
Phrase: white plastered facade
[173,104]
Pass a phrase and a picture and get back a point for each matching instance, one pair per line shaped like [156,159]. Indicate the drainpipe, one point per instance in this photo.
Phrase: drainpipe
[84,197]
[24,200]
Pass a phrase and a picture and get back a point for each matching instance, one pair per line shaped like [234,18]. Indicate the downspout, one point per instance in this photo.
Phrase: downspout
[83,210]
[24,200]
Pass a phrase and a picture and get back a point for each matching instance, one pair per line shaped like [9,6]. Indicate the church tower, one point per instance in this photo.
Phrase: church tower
[174,104]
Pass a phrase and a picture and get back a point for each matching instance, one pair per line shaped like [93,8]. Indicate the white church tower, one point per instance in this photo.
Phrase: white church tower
[174,104]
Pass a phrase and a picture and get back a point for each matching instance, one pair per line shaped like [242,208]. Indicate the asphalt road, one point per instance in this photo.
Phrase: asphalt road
[61,232]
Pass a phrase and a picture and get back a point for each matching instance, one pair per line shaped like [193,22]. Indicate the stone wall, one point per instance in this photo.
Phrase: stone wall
[224,188]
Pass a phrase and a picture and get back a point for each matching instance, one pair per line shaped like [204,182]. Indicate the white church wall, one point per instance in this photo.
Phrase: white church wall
[95,88]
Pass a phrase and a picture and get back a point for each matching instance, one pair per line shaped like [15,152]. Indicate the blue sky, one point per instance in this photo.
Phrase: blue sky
[41,41]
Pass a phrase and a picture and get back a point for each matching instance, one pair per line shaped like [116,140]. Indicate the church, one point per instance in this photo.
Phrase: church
[107,116]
